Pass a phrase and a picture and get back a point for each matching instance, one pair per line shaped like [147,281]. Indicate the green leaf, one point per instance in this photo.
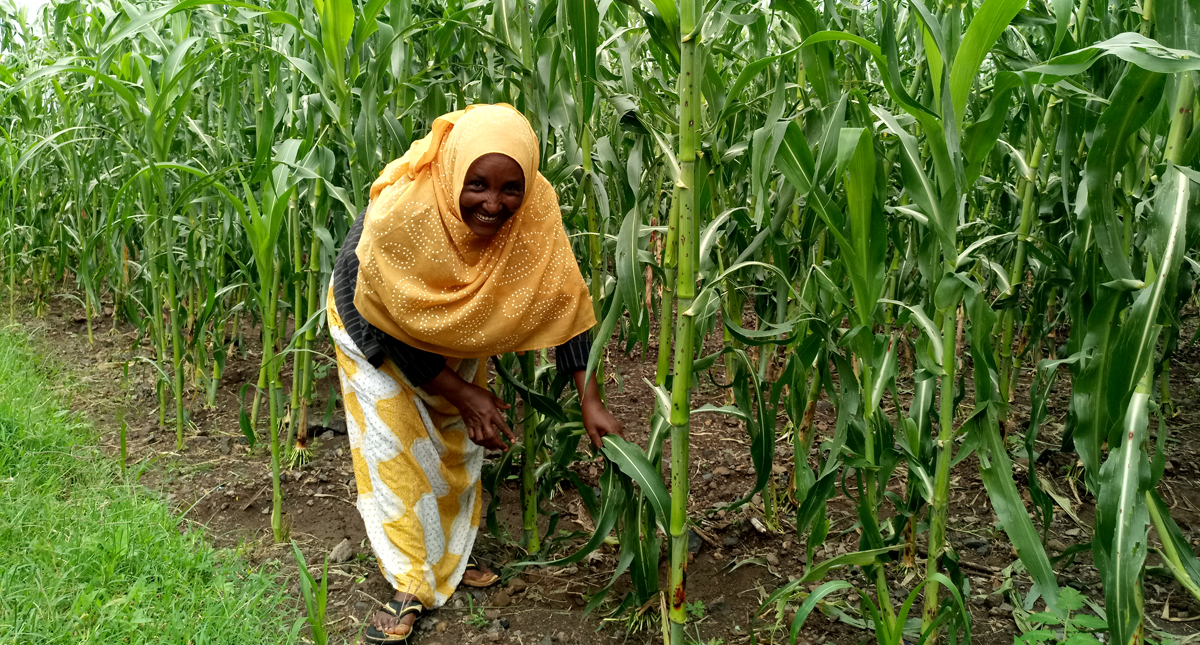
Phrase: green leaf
[630,277]
[989,22]
[1133,101]
[583,23]
[633,462]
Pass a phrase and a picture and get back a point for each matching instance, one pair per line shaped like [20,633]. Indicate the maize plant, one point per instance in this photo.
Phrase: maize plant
[907,208]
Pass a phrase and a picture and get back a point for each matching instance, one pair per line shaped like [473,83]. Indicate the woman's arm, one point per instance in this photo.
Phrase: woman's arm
[597,420]
[480,409]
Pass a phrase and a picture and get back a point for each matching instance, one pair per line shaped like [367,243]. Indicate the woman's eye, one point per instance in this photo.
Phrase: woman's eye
[476,184]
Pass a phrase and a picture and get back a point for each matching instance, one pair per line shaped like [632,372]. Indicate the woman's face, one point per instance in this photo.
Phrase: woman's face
[492,192]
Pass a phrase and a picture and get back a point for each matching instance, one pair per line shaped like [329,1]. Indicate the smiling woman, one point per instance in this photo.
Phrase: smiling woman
[493,192]
[460,256]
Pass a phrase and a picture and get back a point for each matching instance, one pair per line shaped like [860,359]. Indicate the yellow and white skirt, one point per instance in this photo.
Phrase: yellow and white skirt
[416,467]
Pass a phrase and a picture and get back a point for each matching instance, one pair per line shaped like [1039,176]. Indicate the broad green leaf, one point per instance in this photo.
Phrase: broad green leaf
[989,22]
[633,462]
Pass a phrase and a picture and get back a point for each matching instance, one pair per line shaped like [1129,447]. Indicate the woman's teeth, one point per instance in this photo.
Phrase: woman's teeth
[488,219]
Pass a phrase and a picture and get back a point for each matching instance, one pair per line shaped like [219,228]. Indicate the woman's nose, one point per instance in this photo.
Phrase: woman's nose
[492,204]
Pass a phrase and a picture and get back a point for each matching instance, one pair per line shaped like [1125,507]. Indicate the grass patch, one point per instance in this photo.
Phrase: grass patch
[89,556]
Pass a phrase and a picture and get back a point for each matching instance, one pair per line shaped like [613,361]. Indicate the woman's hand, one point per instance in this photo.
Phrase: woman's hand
[480,409]
[597,420]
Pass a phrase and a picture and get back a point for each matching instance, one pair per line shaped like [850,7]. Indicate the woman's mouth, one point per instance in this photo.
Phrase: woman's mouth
[484,218]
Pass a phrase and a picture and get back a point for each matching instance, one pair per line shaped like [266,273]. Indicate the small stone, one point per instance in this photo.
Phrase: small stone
[694,542]
[492,637]
[546,640]
[1072,532]
[706,476]
[502,599]
[342,552]
[517,585]
[777,469]
[152,438]
[327,435]
[491,614]
[457,604]
[224,447]
[787,545]
[722,471]
[979,601]
[731,541]
[994,600]
[266,509]
[362,605]
[442,627]
[772,559]
[561,636]
[1056,544]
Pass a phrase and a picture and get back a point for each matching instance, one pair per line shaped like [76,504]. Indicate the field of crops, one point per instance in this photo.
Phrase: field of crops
[911,211]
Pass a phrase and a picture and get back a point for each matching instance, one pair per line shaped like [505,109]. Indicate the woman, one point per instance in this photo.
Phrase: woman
[461,255]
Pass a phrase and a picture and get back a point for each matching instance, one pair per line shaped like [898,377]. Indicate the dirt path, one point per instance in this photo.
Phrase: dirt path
[223,486]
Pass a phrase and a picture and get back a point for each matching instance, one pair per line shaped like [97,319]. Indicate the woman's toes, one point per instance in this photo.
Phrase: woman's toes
[476,575]
[403,627]
[385,622]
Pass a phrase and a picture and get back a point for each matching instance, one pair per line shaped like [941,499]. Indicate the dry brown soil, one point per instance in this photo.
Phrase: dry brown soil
[222,486]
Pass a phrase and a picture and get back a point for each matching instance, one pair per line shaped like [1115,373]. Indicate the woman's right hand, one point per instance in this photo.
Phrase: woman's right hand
[482,411]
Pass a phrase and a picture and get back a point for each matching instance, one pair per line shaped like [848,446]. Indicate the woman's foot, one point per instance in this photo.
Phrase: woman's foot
[478,576]
[389,624]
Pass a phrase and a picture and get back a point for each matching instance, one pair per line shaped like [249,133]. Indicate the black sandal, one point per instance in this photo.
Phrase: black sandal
[398,609]
[473,565]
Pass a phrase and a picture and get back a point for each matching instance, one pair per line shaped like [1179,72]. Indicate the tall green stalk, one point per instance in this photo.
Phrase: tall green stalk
[941,485]
[689,96]
[270,311]
[532,445]
[1016,273]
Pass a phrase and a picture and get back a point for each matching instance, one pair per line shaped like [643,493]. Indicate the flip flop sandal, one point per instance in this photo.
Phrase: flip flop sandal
[473,565]
[399,610]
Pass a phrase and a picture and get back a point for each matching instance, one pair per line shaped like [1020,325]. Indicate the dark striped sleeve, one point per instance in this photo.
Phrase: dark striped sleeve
[345,282]
[418,365]
[572,356]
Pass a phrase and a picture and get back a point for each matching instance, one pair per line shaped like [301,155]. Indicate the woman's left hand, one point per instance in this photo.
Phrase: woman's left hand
[598,421]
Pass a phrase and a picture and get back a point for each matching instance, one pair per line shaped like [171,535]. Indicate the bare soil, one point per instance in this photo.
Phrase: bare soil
[221,485]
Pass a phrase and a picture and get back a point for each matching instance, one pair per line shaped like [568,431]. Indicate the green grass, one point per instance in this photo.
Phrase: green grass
[88,556]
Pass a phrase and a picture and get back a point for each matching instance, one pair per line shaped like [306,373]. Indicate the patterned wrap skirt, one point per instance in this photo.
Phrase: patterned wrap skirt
[416,467]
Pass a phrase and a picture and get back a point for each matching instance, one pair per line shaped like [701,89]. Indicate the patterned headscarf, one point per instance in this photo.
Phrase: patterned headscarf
[424,278]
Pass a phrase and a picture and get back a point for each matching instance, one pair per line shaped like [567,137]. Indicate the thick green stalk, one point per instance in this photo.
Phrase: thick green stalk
[685,338]
[299,284]
[941,485]
[1017,272]
[310,336]
[176,344]
[593,219]
[667,302]
[883,597]
[269,313]
[529,73]
[1181,119]
[532,441]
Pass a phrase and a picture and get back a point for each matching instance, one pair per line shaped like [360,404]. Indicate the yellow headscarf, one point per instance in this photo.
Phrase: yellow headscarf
[424,278]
